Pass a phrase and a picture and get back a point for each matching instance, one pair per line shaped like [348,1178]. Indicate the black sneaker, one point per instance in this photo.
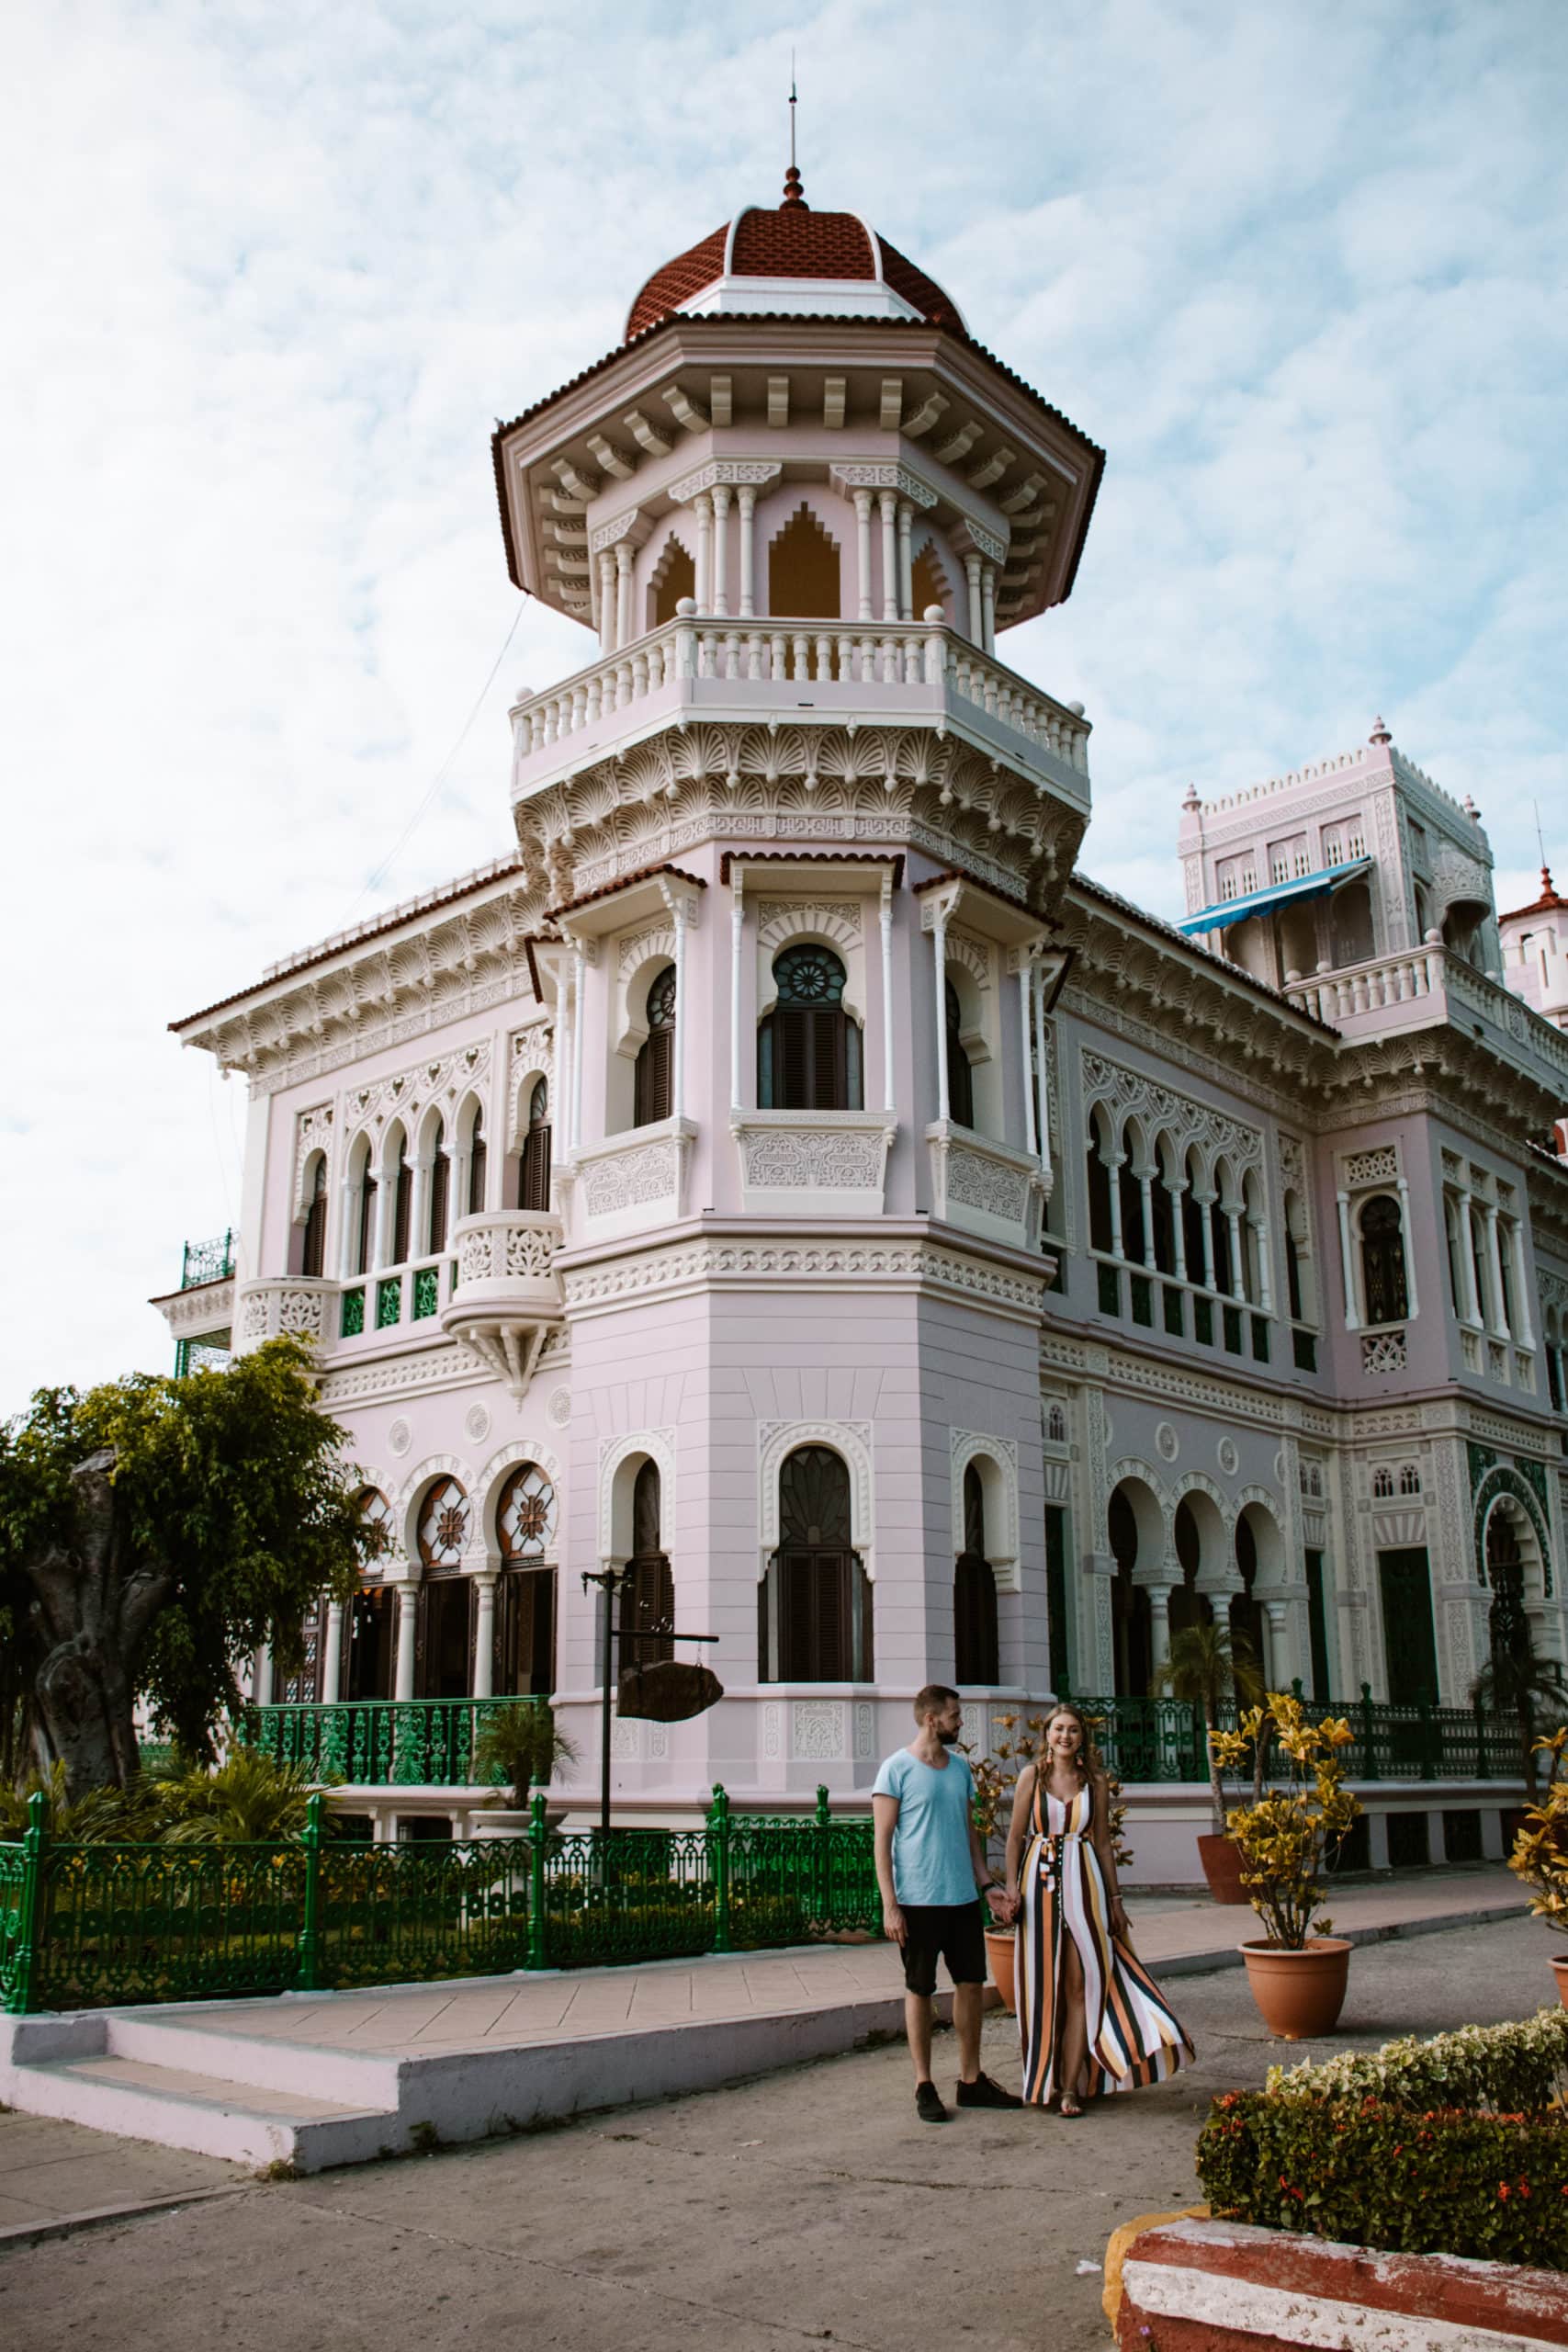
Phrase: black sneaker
[983,2092]
[928,2104]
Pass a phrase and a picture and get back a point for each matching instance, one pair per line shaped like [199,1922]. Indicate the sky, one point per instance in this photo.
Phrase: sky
[273,270]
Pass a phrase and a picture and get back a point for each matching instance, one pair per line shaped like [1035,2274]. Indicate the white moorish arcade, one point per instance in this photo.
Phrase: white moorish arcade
[784,1174]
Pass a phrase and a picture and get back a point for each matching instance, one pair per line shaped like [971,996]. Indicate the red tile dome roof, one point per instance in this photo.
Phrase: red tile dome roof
[794,241]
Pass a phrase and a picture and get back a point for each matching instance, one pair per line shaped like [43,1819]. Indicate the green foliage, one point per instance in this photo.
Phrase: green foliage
[1373,2172]
[1519,2065]
[1519,1682]
[1539,1858]
[520,1748]
[232,1510]
[1286,1834]
[248,1801]
[1205,1666]
[100,1817]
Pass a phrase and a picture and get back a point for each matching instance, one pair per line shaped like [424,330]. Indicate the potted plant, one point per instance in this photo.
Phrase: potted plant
[1540,1859]
[1298,1973]
[1206,1666]
[519,1748]
[995,1778]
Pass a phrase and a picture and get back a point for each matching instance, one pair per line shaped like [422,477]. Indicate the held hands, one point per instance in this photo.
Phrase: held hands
[1003,1901]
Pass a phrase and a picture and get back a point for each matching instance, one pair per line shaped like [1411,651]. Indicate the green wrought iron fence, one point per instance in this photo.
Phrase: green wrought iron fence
[410,1742]
[207,1261]
[1145,1740]
[84,1926]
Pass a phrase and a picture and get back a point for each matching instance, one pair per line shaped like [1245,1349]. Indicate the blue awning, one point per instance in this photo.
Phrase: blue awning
[1282,894]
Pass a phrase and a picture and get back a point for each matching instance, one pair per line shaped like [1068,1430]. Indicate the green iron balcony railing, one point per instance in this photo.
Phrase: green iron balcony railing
[87,1926]
[207,1261]
[1145,1740]
[405,1743]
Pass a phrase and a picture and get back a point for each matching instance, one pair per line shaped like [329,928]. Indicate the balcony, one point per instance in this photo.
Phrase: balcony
[379,1743]
[207,1261]
[1422,986]
[897,673]
[506,1298]
[299,1306]
[201,1313]
[984,1187]
[813,1163]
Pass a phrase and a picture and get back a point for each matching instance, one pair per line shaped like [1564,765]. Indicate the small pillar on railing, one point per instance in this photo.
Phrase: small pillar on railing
[822,1890]
[309,1949]
[718,1863]
[1481,1772]
[1368,1751]
[936,644]
[538,1841]
[686,638]
[32,1911]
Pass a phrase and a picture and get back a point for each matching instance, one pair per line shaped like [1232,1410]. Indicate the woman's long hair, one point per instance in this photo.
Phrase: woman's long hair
[1088,1759]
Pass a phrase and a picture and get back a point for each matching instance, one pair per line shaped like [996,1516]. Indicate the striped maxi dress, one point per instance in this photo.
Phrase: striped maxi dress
[1134,2036]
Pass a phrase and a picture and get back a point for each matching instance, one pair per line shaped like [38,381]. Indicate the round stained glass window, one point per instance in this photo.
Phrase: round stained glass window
[662,999]
[525,1516]
[444,1525]
[809,974]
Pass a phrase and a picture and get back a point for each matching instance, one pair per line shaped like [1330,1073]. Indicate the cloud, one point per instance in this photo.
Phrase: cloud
[277,269]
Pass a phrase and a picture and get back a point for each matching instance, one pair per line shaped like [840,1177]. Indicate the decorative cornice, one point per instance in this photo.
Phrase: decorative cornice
[815,1265]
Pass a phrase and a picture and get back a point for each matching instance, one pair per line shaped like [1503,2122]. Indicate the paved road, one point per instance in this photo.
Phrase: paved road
[807,2208]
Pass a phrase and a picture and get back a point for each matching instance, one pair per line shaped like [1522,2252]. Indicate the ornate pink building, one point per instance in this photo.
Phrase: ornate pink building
[784,1174]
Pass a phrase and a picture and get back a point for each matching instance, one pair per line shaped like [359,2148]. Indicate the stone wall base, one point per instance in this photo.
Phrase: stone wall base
[1198,2285]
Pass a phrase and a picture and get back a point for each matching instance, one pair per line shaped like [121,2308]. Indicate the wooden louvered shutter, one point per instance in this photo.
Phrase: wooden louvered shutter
[534,1177]
[440,1188]
[791,1057]
[477,1162]
[366,1223]
[402,1205]
[314,1256]
[653,1088]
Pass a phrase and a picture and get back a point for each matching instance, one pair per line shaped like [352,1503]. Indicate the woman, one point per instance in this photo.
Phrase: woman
[1090,2018]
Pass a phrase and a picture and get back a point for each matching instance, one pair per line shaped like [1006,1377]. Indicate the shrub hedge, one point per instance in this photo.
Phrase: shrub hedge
[1374,2173]
[1516,2067]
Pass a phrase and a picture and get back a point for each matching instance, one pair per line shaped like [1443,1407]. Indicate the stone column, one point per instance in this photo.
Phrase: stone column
[625,630]
[1516,1248]
[1467,1261]
[939,940]
[1407,1235]
[721,550]
[702,505]
[862,552]
[905,562]
[579,971]
[988,607]
[747,498]
[1146,1193]
[888,501]
[1352,1321]
[977,610]
[262,1691]
[1238,1262]
[408,1624]
[737,943]
[1265,1287]
[607,601]
[1499,1327]
[1205,1202]
[1178,1237]
[331,1652]
[1042,1085]
[1025,983]
[484,1633]
[1159,1624]
[1283,1662]
[678,1075]
[1115,1162]
[884,916]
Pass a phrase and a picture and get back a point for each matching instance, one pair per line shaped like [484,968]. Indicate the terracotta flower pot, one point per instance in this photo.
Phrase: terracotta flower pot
[1001,1951]
[1560,1970]
[1220,1859]
[1299,1994]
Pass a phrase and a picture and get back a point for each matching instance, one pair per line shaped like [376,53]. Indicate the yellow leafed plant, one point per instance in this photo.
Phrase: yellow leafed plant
[1298,1817]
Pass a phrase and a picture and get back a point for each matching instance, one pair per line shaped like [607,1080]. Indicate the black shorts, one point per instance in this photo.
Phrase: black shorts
[954,1932]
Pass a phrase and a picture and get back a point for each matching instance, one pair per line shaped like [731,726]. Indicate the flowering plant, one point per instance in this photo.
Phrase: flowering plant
[997,1776]
[1286,1833]
[1539,1858]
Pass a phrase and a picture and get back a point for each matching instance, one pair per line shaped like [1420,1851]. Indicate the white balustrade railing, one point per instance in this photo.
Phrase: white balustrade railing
[506,1246]
[1336,997]
[883,656]
[1433,970]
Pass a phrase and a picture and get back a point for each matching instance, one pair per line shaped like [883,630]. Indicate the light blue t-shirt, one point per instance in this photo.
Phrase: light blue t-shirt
[932,1860]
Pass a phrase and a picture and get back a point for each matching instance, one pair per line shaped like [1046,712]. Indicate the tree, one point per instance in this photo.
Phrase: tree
[1206,1666]
[1518,1682]
[153,1532]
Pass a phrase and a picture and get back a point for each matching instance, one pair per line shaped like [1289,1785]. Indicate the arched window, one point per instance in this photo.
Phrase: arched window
[313,1255]
[647,1595]
[369,1644]
[444,1657]
[365,1219]
[1246,1612]
[808,1049]
[377,1513]
[440,1194]
[653,1091]
[526,1589]
[1193,1224]
[960,1078]
[1509,1626]
[975,1645]
[803,570]
[534,1165]
[1409,1480]
[817,1621]
[1055,1425]
[477,1162]
[402,1202]
[1131,1621]
[675,576]
[1382,1260]
[1382,1483]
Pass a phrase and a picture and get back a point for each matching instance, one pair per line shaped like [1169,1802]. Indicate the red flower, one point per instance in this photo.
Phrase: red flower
[1502,2188]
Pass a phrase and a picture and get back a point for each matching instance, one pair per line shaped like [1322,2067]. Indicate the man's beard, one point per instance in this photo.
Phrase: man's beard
[951,1739]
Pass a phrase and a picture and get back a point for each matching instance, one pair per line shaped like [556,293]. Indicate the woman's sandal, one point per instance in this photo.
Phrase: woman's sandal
[1070,2109]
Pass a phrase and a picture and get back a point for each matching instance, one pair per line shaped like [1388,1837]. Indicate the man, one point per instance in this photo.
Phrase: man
[932,1870]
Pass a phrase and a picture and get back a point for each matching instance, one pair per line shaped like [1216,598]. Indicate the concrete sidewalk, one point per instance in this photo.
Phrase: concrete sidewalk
[311,2081]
